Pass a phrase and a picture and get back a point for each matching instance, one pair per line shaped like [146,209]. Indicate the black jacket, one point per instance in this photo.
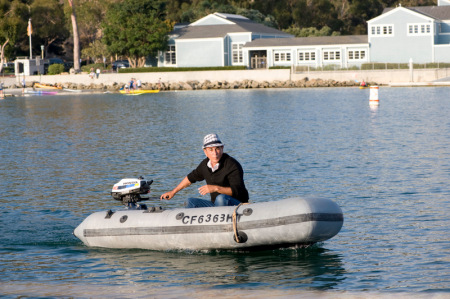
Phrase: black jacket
[229,174]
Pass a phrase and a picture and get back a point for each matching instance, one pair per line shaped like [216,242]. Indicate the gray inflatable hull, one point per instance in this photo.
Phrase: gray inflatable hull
[287,222]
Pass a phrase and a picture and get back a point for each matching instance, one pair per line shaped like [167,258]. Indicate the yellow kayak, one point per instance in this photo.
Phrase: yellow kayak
[46,86]
[138,91]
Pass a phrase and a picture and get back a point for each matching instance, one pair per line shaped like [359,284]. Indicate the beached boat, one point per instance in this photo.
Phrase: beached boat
[40,92]
[46,86]
[138,91]
[282,223]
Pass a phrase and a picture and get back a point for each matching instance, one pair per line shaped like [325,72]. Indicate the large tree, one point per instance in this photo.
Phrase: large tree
[136,29]
[12,24]
[362,11]
[76,37]
[48,24]
[317,13]
[90,15]
[96,51]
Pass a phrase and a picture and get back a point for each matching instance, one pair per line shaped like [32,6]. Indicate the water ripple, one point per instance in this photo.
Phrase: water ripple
[387,167]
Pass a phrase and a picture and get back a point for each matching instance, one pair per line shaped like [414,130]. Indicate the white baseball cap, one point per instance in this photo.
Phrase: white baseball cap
[211,140]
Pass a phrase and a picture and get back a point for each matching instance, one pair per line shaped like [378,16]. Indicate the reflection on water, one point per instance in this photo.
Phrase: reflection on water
[314,268]
[310,267]
[387,167]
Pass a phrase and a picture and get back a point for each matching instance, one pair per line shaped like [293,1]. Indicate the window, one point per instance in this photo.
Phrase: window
[237,53]
[331,55]
[282,56]
[382,30]
[356,55]
[419,29]
[171,55]
[306,56]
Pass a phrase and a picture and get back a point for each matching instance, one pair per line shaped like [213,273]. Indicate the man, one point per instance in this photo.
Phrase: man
[23,85]
[223,175]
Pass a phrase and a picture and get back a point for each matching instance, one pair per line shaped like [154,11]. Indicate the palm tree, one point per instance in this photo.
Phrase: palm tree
[76,38]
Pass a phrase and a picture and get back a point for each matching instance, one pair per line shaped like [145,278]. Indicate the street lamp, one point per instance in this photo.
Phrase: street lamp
[42,52]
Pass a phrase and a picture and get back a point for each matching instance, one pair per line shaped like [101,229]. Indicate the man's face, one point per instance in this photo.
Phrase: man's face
[214,153]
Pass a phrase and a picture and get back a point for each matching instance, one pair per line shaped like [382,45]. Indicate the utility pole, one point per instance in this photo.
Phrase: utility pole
[29,32]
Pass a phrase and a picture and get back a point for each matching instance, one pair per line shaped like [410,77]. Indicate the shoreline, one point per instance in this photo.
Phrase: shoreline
[17,92]
[241,79]
[70,88]
[80,89]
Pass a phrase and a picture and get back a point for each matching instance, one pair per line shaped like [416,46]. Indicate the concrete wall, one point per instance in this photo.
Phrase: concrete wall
[201,76]
[378,76]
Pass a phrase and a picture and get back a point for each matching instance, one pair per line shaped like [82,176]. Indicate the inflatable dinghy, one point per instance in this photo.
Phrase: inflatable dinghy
[275,224]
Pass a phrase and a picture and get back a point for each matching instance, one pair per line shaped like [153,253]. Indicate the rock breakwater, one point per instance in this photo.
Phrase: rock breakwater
[197,85]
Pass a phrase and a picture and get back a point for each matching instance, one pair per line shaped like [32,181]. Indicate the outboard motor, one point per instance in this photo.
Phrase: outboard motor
[129,191]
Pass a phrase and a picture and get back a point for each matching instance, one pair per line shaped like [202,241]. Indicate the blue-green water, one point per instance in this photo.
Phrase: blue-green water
[388,167]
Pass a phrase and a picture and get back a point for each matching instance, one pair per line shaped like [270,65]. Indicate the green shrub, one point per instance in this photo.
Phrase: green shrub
[55,69]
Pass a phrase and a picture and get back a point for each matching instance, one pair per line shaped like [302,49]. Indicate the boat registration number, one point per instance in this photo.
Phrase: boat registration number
[198,219]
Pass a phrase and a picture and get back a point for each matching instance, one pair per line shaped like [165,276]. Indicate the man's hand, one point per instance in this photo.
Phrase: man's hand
[208,189]
[215,188]
[168,195]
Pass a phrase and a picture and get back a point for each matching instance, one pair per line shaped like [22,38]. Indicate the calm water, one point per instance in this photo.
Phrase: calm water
[388,167]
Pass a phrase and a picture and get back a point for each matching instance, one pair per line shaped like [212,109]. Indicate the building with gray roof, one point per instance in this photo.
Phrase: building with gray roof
[398,35]
[215,40]
[405,34]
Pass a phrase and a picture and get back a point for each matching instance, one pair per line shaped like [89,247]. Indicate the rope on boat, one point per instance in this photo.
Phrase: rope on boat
[237,238]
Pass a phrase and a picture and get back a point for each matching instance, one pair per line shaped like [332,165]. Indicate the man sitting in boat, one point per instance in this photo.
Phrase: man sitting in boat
[363,84]
[223,174]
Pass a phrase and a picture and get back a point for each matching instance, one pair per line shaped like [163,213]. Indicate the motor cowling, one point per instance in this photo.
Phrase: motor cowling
[130,190]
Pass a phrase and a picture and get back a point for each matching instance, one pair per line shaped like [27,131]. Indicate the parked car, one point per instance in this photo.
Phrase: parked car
[48,62]
[8,68]
[55,61]
[118,64]
[68,65]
